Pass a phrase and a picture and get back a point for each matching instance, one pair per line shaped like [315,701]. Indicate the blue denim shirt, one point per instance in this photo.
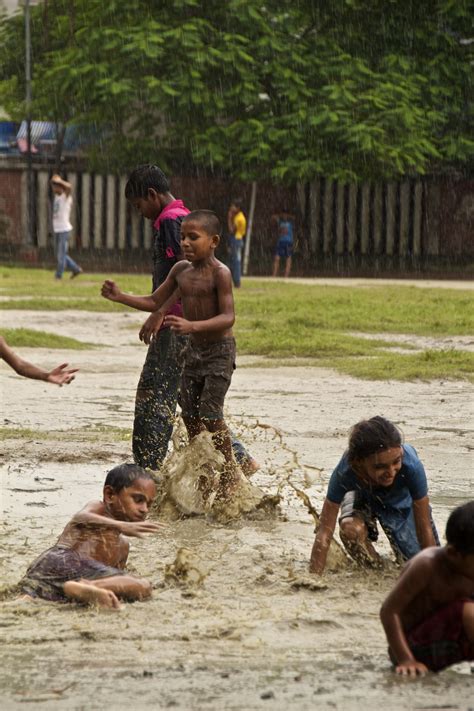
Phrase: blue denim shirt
[410,483]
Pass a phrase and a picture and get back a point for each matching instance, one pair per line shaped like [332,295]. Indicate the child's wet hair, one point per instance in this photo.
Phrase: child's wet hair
[143,178]
[207,218]
[371,436]
[238,202]
[124,475]
[460,529]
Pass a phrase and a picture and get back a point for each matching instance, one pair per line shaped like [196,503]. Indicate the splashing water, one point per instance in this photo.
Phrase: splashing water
[190,477]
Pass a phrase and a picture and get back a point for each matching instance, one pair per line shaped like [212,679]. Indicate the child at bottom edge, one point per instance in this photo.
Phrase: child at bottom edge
[87,562]
[429,615]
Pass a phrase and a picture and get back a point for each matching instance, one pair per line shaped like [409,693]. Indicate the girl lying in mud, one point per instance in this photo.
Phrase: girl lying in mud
[87,563]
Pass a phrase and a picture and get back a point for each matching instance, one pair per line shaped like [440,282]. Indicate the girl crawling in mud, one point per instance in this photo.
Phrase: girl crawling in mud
[378,479]
[87,563]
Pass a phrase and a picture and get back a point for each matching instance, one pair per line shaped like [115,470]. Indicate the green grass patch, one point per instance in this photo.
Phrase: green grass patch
[427,365]
[51,304]
[37,290]
[367,309]
[307,343]
[286,321]
[272,306]
[28,338]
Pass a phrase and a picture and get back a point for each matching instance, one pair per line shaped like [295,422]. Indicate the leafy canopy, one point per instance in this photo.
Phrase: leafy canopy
[288,89]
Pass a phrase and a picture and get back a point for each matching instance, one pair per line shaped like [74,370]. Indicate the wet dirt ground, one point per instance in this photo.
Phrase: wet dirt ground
[258,632]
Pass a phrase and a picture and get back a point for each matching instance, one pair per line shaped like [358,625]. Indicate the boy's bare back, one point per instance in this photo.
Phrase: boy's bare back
[428,582]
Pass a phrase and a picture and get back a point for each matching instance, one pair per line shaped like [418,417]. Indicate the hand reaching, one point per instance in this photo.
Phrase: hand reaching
[179,324]
[151,327]
[110,290]
[411,669]
[139,529]
[60,376]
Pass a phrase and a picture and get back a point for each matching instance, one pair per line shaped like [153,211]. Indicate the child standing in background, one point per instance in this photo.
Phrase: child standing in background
[284,248]
[62,227]
[237,226]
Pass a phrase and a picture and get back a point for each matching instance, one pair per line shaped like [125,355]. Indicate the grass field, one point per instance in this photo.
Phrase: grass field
[287,322]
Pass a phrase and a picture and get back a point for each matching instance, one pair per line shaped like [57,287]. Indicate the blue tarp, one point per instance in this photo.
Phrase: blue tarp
[8,133]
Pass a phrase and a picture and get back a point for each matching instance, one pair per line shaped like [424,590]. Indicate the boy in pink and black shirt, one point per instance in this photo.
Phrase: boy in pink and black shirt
[148,190]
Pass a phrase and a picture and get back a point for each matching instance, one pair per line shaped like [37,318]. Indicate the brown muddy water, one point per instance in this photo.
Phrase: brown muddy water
[235,621]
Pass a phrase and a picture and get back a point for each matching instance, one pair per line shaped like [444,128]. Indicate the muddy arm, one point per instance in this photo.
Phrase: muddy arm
[324,537]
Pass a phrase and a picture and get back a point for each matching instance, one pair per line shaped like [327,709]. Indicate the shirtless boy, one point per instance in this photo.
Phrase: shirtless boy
[429,615]
[205,286]
[87,563]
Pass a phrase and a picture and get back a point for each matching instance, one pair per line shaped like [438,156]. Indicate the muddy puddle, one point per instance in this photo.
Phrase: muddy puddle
[235,621]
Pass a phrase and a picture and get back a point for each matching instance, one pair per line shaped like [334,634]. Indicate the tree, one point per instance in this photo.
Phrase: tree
[290,90]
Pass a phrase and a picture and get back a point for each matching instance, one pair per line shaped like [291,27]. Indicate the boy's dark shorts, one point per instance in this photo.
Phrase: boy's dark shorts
[440,640]
[46,576]
[355,504]
[206,378]
[284,249]
[398,524]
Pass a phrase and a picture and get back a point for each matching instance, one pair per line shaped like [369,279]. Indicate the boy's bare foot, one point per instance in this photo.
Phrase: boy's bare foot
[91,595]
[249,466]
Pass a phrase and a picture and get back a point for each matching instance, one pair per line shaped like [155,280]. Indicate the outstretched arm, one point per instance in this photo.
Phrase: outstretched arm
[324,536]
[155,301]
[411,582]
[223,321]
[92,515]
[61,375]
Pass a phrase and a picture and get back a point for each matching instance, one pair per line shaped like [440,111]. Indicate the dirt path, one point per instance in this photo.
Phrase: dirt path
[253,635]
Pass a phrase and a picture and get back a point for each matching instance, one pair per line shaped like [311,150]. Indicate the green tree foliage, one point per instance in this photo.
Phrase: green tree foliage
[286,89]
